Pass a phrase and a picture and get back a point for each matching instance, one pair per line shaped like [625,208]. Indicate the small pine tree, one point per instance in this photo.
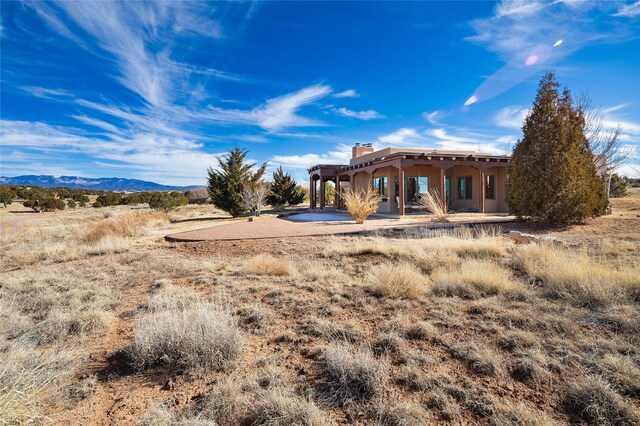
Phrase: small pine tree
[284,190]
[618,186]
[6,196]
[226,185]
[552,178]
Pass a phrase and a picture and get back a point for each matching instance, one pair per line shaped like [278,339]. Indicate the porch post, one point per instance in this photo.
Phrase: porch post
[322,185]
[337,203]
[401,188]
[311,185]
[443,192]
[371,178]
[481,192]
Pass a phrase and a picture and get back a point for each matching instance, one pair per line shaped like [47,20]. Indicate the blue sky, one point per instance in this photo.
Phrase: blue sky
[156,91]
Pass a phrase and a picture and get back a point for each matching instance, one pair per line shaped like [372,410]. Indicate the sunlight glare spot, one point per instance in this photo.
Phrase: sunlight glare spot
[473,99]
[531,60]
[557,43]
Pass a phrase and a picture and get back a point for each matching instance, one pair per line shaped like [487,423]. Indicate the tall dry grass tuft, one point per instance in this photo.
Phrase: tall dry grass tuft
[266,264]
[28,379]
[578,278]
[361,204]
[131,224]
[280,408]
[475,278]
[205,336]
[352,374]
[434,204]
[398,281]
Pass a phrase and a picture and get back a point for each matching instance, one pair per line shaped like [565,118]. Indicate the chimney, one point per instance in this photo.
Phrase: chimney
[361,149]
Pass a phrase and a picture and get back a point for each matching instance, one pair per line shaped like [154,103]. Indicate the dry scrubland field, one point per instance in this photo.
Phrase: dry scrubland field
[103,322]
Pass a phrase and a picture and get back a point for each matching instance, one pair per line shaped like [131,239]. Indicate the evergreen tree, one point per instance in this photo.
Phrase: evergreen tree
[6,196]
[552,178]
[226,185]
[284,190]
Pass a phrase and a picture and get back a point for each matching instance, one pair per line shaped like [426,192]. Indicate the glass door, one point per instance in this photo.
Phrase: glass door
[447,190]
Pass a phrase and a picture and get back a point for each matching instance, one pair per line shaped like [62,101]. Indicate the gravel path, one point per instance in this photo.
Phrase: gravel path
[271,227]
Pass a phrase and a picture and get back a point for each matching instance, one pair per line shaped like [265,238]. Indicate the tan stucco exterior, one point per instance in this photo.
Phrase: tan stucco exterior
[415,165]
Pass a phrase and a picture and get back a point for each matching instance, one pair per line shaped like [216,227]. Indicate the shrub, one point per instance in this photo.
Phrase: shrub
[352,374]
[618,186]
[265,264]
[622,373]
[361,204]
[205,336]
[277,408]
[482,361]
[284,190]
[71,204]
[47,204]
[6,196]
[590,399]
[167,201]
[397,281]
[434,204]
[222,404]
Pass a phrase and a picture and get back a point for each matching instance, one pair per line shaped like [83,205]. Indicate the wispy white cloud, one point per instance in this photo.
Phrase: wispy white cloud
[47,93]
[281,112]
[351,93]
[339,156]
[629,10]
[149,156]
[432,117]
[517,28]
[511,117]
[362,115]
[96,123]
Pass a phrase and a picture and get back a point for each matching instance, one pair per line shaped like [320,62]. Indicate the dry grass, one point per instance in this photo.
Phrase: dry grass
[352,374]
[361,204]
[130,224]
[578,278]
[205,336]
[480,360]
[28,380]
[280,408]
[592,400]
[475,278]
[434,204]
[622,373]
[266,264]
[398,281]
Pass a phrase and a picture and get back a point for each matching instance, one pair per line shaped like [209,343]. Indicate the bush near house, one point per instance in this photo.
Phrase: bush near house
[226,184]
[552,178]
[284,190]
[361,204]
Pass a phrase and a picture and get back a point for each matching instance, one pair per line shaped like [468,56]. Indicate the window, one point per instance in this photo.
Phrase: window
[380,184]
[490,187]
[464,188]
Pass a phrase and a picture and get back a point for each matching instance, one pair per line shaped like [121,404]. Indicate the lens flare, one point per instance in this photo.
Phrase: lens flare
[558,43]
[472,100]
[531,60]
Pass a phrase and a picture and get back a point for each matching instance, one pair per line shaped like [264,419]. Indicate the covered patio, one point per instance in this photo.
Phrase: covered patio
[466,182]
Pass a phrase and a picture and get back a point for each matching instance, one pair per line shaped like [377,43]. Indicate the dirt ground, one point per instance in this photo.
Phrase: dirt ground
[327,287]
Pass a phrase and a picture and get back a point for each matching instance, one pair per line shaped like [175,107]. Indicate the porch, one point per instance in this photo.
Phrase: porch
[466,183]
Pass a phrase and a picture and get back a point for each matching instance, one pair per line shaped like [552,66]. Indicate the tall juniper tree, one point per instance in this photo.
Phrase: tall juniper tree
[284,190]
[552,177]
[234,175]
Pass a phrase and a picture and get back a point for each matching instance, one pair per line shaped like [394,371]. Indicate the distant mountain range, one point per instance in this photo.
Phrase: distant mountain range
[106,184]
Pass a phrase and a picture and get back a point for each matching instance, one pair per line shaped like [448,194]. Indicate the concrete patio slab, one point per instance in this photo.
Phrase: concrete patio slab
[273,227]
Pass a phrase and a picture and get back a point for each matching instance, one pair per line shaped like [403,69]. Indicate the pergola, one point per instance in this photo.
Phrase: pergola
[342,173]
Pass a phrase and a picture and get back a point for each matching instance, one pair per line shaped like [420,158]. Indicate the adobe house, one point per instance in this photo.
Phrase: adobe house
[471,181]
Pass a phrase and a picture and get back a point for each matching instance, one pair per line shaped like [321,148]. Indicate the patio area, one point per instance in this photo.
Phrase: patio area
[330,223]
